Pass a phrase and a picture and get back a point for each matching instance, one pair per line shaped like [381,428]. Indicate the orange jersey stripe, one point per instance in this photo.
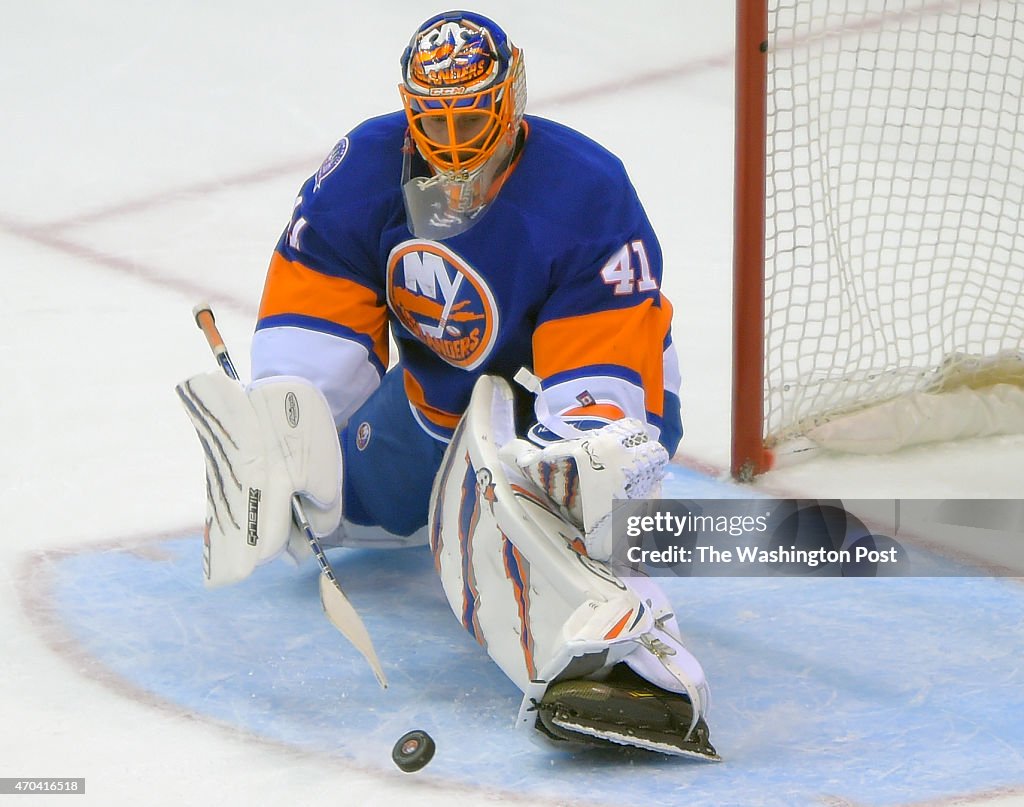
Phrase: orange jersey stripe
[606,411]
[629,337]
[414,392]
[293,288]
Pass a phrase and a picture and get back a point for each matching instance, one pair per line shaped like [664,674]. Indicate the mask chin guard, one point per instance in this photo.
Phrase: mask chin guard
[438,207]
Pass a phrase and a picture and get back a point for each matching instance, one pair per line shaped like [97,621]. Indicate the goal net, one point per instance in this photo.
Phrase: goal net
[892,260]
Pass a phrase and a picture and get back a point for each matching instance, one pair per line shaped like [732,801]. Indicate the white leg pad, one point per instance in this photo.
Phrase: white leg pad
[517,575]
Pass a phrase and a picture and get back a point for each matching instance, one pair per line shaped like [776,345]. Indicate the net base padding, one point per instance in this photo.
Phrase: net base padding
[974,397]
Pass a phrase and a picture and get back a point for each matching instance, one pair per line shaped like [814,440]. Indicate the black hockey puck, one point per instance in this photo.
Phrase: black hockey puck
[413,751]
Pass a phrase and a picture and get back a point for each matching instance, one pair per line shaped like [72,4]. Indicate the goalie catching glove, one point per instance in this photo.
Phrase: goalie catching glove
[583,476]
[262,445]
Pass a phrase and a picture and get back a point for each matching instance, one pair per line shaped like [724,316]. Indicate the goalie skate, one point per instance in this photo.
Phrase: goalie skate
[623,710]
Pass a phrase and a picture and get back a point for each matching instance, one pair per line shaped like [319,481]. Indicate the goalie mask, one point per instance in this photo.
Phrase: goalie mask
[464,91]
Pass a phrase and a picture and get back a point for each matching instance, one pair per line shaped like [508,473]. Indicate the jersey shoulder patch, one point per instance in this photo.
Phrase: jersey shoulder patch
[332,161]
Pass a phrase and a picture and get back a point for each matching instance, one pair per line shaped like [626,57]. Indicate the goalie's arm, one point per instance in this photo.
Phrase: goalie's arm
[283,440]
[599,367]
[320,319]
[607,406]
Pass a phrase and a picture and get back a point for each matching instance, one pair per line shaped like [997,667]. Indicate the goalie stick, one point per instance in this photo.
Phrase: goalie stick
[336,605]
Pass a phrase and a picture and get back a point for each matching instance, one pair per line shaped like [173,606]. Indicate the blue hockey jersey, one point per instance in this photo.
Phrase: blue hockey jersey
[561,275]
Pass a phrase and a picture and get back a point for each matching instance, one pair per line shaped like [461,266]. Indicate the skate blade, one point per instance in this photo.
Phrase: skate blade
[681,748]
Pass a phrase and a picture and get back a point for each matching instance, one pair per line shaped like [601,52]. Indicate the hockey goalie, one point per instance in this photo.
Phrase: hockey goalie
[482,241]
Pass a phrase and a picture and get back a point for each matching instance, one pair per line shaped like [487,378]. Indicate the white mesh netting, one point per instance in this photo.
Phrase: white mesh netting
[895,188]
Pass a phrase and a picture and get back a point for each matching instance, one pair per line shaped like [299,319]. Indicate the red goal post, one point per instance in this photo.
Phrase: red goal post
[878,209]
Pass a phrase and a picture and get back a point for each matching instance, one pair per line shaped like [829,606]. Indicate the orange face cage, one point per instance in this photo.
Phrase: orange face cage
[476,124]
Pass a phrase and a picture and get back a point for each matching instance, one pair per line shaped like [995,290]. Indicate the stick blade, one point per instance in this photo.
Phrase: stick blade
[346,619]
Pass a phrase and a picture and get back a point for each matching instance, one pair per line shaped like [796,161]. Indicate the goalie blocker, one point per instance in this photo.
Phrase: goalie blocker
[599,660]
[261,445]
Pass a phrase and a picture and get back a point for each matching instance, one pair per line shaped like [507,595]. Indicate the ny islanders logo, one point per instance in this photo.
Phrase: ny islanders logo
[452,54]
[443,302]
